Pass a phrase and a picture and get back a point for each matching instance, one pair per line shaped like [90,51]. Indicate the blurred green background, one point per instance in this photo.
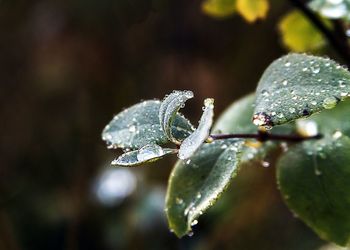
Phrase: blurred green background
[66,67]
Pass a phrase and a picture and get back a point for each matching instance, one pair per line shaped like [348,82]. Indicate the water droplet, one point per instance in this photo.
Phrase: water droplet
[317,172]
[188,161]
[292,110]
[287,64]
[190,233]
[307,127]
[337,134]
[132,128]
[315,70]
[341,84]
[285,82]
[149,152]
[313,103]
[195,222]
[329,102]
[265,92]
[179,201]
[265,164]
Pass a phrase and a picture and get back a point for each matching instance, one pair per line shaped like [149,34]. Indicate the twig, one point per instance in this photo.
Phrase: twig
[266,137]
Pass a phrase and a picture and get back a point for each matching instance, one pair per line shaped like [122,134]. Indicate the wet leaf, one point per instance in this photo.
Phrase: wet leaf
[299,34]
[314,179]
[236,119]
[299,85]
[139,125]
[195,184]
[192,143]
[253,10]
[219,8]
[148,153]
[168,111]
[332,9]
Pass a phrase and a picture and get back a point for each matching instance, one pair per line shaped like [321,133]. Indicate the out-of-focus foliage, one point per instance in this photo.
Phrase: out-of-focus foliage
[332,9]
[251,10]
[219,8]
[298,34]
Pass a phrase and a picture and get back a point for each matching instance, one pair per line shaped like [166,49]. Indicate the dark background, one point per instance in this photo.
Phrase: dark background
[66,67]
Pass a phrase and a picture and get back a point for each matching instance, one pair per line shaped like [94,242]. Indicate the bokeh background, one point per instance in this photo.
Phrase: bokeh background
[66,67]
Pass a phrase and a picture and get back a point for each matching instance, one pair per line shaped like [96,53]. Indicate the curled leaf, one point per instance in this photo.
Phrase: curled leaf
[191,144]
[168,111]
[139,125]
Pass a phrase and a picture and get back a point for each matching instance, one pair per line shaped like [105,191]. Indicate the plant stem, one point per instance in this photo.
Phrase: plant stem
[263,136]
[337,42]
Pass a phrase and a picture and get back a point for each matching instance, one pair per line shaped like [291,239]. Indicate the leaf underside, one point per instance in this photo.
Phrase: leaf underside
[192,143]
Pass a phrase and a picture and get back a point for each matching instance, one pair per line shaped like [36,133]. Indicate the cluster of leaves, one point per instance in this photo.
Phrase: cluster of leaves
[313,175]
[298,34]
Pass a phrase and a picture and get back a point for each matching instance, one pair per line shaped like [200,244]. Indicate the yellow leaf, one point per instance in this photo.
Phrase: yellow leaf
[219,8]
[298,34]
[252,10]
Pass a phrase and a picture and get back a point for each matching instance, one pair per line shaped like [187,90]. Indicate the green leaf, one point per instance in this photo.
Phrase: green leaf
[139,126]
[314,180]
[148,153]
[253,10]
[332,9]
[192,143]
[195,184]
[299,34]
[236,119]
[168,111]
[298,85]
[333,122]
[219,8]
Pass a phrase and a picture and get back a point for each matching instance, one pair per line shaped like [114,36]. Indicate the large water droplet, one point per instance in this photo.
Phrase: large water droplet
[307,127]
[149,151]
[329,102]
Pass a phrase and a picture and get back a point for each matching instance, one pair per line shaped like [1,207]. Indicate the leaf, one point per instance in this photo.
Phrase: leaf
[168,111]
[299,34]
[219,8]
[253,10]
[139,125]
[196,184]
[314,180]
[331,9]
[331,122]
[148,153]
[192,143]
[299,85]
[236,119]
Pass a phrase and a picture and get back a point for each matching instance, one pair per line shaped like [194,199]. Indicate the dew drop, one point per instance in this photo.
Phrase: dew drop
[149,152]
[292,110]
[307,127]
[329,102]
[265,164]
[195,222]
[132,128]
[179,201]
[315,70]
[337,134]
